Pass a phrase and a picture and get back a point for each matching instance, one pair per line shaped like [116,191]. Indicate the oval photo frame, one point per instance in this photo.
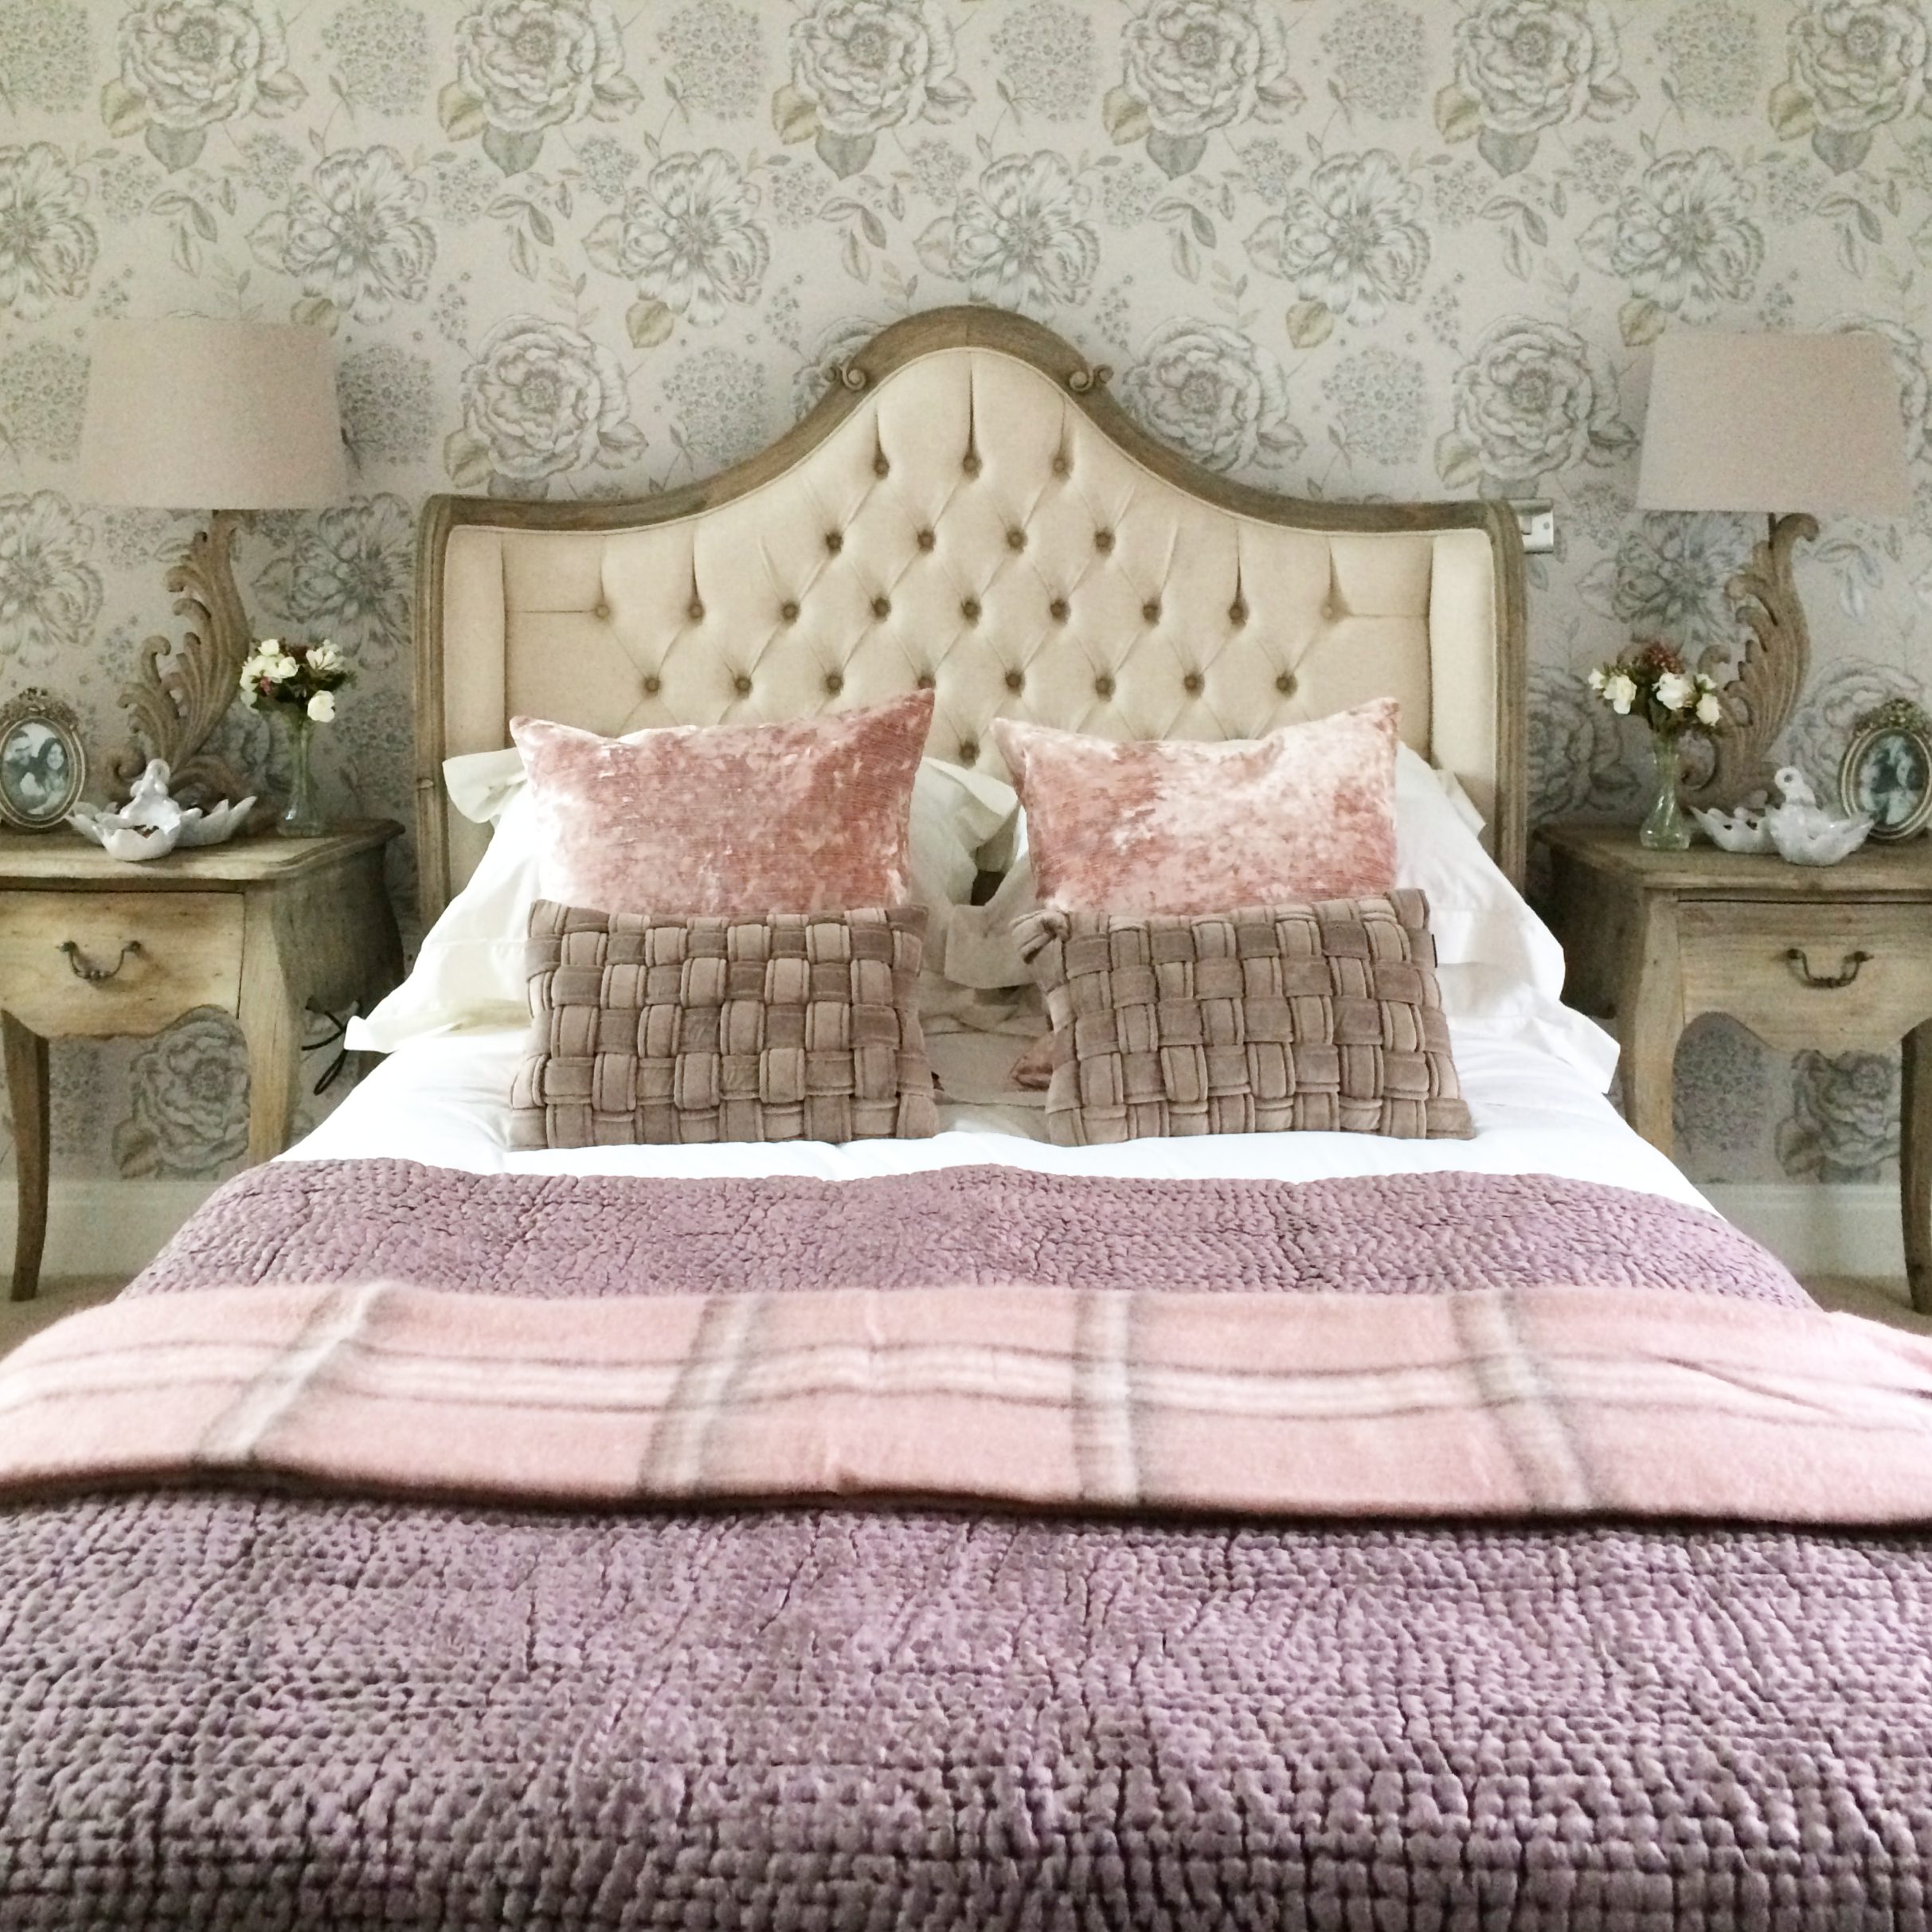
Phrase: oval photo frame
[1887,771]
[43,766]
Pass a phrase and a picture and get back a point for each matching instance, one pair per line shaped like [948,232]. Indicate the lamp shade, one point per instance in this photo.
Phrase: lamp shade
[1774,423]
[194,414]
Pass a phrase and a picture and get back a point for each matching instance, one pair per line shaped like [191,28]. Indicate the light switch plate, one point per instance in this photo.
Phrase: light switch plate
[1537,520]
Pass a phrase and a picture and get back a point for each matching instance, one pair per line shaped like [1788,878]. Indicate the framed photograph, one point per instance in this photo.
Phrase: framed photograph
[1887,770]
[42,766]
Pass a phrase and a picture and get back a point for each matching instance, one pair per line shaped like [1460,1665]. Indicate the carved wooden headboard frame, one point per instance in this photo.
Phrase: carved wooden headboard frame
[968,508]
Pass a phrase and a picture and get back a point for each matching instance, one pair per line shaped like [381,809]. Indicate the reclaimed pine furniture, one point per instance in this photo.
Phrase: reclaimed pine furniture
[1835,958]
[262,928]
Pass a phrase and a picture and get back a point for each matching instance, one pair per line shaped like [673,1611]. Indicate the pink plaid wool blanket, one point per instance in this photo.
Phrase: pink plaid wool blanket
[1537,1401]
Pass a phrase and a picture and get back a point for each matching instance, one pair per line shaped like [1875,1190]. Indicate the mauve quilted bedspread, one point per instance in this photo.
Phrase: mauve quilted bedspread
[252,1711]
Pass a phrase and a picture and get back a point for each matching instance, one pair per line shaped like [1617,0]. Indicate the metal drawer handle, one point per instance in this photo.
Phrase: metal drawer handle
[1827,981]
[95,975]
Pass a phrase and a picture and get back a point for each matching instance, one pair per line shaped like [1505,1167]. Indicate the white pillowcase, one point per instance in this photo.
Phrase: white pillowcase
[469,972]
[1497,965]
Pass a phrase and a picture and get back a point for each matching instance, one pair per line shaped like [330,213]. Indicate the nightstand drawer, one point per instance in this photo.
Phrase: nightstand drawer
[154,955]
[1735,958]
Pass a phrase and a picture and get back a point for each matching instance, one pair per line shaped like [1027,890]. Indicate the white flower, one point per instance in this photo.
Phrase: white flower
[1710,710]
[1621,689]
[49,593]
[280,667]
[689,237]
[1020,237]
[1596,680]
[1675,690]
[1215,393]
[1683,237]
[325,657]
[48,247]
[355,234]
[1350,239]
[322,707]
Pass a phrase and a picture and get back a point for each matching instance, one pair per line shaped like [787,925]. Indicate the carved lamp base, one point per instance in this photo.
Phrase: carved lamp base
[1770,675]
[181,692]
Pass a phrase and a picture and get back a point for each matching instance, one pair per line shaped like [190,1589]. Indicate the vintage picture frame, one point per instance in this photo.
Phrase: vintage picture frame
[43,764]
[1887,772]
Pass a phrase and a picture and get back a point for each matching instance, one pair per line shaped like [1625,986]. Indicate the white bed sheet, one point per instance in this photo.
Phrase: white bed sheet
[444,1101]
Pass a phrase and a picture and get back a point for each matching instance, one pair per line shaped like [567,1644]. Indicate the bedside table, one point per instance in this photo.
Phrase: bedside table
[1832,957]
[263,927]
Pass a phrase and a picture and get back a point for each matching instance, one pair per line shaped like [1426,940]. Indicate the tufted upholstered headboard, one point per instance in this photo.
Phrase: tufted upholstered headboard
[967,507]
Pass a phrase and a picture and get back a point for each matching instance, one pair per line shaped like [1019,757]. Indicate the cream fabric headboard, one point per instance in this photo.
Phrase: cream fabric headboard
[969,509]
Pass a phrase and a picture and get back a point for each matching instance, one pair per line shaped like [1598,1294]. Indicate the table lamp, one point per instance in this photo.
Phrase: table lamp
[222,416]
[1786,424]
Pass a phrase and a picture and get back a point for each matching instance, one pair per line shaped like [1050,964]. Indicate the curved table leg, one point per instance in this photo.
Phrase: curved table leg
[26,1083]
[1916,1164]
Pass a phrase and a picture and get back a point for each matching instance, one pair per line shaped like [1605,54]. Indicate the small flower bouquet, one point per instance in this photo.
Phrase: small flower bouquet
[299,681]
[1653,682]
[304,677]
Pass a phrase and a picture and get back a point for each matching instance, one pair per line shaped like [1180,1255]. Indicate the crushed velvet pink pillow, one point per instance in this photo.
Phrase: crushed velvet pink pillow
[1165,826]
[812,816]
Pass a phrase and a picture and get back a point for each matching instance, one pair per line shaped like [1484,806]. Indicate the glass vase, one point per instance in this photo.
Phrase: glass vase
[1665,828]
[301,817]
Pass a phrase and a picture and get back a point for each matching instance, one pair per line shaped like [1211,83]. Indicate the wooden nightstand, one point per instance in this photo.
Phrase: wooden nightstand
[1832,957]
[263,927]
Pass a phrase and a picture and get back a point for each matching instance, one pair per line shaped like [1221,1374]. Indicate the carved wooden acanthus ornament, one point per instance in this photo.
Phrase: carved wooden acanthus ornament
[1771,672]
[180,692]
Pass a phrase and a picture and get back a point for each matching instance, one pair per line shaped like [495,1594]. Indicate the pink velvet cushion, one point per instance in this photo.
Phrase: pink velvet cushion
[1308,812]
[808,816]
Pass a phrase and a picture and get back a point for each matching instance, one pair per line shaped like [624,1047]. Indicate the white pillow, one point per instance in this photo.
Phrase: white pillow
[1498,964]
[469,970]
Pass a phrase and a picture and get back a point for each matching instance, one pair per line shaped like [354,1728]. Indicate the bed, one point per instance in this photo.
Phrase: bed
[251,1705]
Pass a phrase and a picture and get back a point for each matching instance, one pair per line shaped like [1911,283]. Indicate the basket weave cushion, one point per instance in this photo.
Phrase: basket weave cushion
[663,1030]
[1322,1015]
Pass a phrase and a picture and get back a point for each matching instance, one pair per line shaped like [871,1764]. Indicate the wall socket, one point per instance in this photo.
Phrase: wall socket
[1536,518]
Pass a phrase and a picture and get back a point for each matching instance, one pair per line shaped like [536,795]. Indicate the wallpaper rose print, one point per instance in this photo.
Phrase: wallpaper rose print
[1339,247]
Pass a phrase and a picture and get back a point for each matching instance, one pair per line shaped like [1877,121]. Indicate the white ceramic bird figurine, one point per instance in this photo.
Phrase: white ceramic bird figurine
[151,823]
[1804,833]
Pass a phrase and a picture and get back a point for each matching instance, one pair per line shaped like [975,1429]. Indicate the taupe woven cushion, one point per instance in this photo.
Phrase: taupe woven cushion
[1324,1015]
[790,1026]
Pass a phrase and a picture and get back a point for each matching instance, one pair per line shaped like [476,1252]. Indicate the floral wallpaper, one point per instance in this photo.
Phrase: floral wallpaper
[1344,247]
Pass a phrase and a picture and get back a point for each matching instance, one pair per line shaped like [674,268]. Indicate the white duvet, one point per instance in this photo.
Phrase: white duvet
[1532,1071]
[445,1101]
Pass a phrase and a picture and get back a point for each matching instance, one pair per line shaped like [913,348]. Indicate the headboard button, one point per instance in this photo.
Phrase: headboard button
[880,466]
[834,682]
[1016,681]
[1285,684]
[927,540]
[600,610]
[881,607]
[969,609]
[788,610]
[1058,610]
[969,750]
[1150,610]
[1061,466]
[695,610]
[1103,687]
[833,541]
[1016,538]
[1238,612]
[923,682]
[1191,684]
[741,685]
[653,684]
[970,466]
[1103,539]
